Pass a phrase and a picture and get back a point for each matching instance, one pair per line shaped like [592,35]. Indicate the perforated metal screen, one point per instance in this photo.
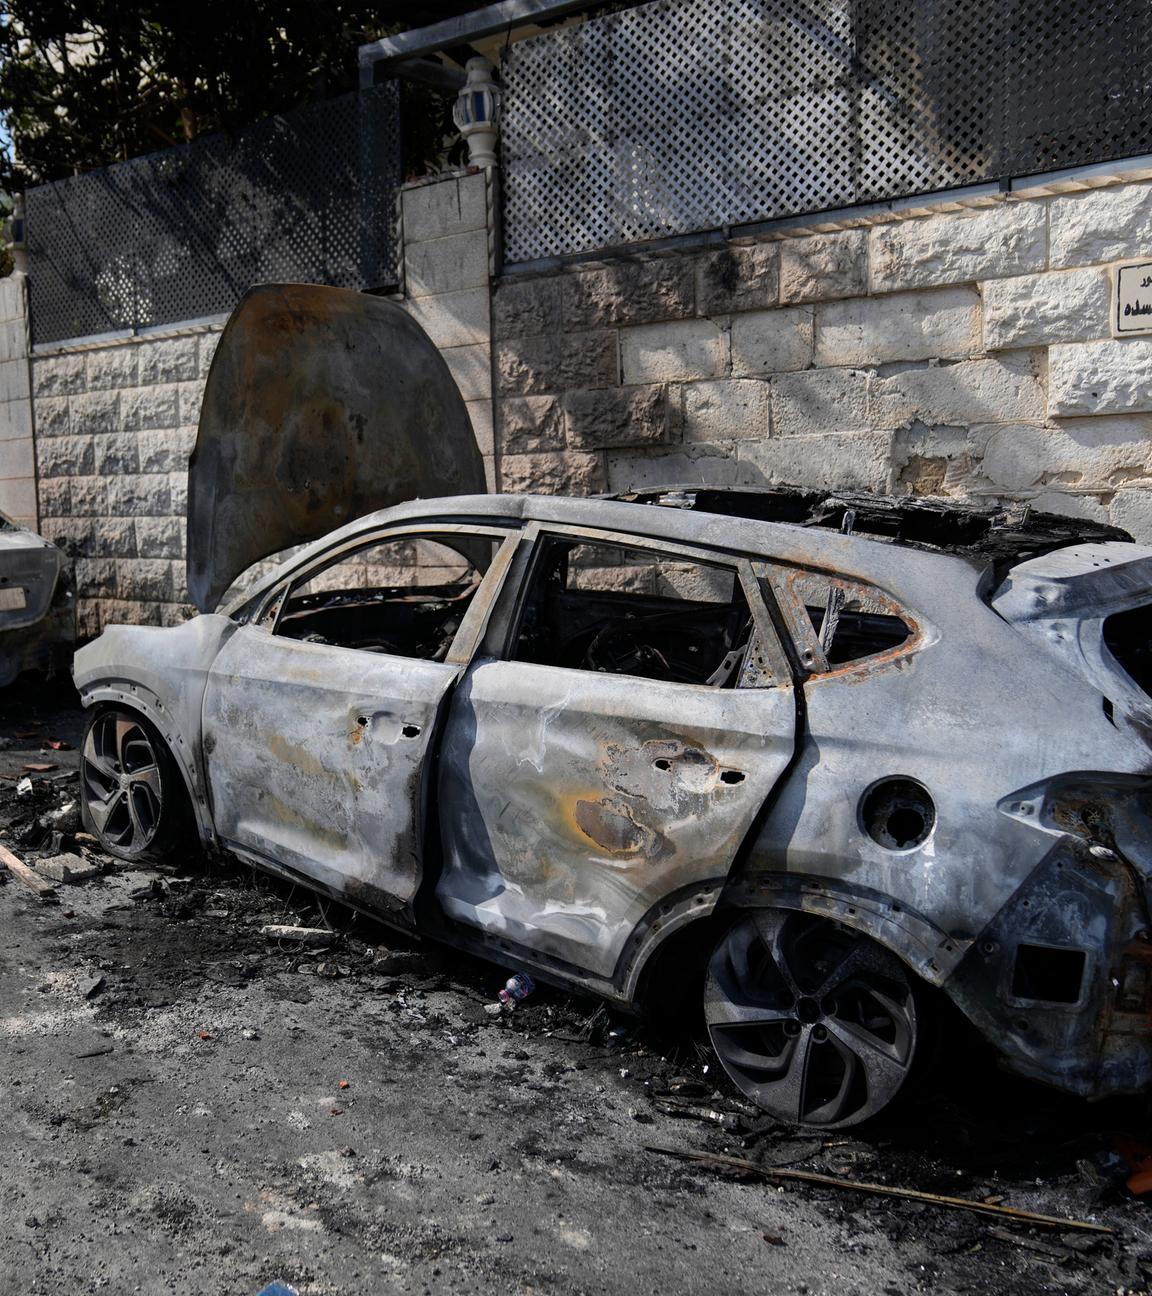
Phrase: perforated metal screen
[306,197]
[688,115]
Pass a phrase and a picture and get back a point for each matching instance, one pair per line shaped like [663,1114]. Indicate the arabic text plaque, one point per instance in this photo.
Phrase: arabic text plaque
[1132,298]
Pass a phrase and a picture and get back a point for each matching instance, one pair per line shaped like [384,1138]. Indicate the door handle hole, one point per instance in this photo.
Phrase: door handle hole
[662,764]
[732,776]
[411,731]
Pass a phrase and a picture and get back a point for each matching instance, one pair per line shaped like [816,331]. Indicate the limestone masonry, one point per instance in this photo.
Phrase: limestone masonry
[965,353]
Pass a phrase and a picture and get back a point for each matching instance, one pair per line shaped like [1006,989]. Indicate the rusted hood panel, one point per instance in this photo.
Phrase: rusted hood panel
[322,404]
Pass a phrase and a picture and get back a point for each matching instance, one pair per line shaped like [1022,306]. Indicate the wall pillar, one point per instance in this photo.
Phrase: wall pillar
[447,237]
[17,452]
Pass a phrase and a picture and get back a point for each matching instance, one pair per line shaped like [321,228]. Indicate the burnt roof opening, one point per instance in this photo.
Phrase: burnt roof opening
[996,534]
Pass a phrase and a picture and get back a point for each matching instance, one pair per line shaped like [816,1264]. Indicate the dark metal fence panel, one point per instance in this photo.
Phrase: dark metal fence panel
[687,115]
[306,197]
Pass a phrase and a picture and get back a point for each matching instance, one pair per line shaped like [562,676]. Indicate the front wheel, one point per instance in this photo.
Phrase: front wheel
[813,1021]
[132,797]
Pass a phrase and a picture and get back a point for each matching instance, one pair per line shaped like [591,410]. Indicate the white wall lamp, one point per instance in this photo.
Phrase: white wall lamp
[476,113]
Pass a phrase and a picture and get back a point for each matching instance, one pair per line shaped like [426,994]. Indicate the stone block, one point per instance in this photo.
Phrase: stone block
[471,367]
[1006,389]
[167,360]
[15,420]
[822,266]
[447,206]
[12,297]
[160,537]
[178,493]
[17,458]
[165,451]
[111,367]
[89,622]
[175,614]
[522,307]
[18,500]
[941,323]
[738,278]
[116,453]
[14,339]
[88,496]
[1089,507]
[139,495]
[704,465]
[55,497]
[206,350]
[831,461]
[1099,225]
[1100,453]
[66,456]
[453,319]
[571,472]
[1132,510]
[51,416]
[92,413]
[772,341]
[633,290]
[535,365]
[1100,377]
[144,579]
[14,380]
[723,409]
[480,414]
[529,424]
[58,375]
[1037,310]
[446,264]
[95,577]
[820,400]
[676,352]
[128,612]
[616,416]
[190,397]
[146,407]
[996,242]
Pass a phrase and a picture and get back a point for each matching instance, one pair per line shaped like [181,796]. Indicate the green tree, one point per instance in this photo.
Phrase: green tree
[87,82]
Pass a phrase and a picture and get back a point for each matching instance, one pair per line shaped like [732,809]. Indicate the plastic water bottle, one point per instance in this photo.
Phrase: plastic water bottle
[516,988]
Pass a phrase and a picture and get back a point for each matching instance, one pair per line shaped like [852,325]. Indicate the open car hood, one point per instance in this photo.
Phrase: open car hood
[322,404]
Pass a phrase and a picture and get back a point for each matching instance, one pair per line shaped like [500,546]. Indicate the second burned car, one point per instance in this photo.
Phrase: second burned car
[865,753]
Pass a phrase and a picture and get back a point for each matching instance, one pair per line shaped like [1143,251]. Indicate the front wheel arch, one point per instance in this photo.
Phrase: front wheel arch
[163,795]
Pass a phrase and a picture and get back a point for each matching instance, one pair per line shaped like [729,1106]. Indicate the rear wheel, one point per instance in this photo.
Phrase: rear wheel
[815,1022]
[132,796]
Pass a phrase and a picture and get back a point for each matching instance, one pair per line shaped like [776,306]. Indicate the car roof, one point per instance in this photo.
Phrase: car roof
[895,548]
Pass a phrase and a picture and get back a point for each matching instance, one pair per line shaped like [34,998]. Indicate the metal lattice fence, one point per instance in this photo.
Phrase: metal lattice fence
[305,197]
[688,115]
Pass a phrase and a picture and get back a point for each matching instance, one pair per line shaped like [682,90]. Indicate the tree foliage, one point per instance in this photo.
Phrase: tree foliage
[87,82]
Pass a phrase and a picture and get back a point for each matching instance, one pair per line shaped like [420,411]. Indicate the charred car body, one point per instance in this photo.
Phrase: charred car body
[866,750]
[37,603]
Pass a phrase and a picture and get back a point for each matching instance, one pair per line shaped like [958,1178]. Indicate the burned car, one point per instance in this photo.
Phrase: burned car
[37,603]
[865,754]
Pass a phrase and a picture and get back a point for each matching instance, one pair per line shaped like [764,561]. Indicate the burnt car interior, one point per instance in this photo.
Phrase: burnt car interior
[1003,536]
[404,597]
[848,631]
[622,611]
[1128,637]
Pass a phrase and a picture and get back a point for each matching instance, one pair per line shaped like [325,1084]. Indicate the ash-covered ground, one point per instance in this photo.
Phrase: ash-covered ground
[190,1107]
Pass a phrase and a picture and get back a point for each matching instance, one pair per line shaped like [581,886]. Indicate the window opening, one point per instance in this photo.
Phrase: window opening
[852,623]
[619,610]
[406,596]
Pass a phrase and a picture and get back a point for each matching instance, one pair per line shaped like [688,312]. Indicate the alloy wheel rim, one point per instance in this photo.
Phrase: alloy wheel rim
[814,1022]
[122,786]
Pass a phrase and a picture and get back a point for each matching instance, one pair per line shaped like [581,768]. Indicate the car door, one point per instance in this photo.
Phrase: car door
[615,751]
[319,718]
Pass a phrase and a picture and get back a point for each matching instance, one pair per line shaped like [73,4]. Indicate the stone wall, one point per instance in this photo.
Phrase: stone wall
[963,353]
[17,457]
[115,424]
